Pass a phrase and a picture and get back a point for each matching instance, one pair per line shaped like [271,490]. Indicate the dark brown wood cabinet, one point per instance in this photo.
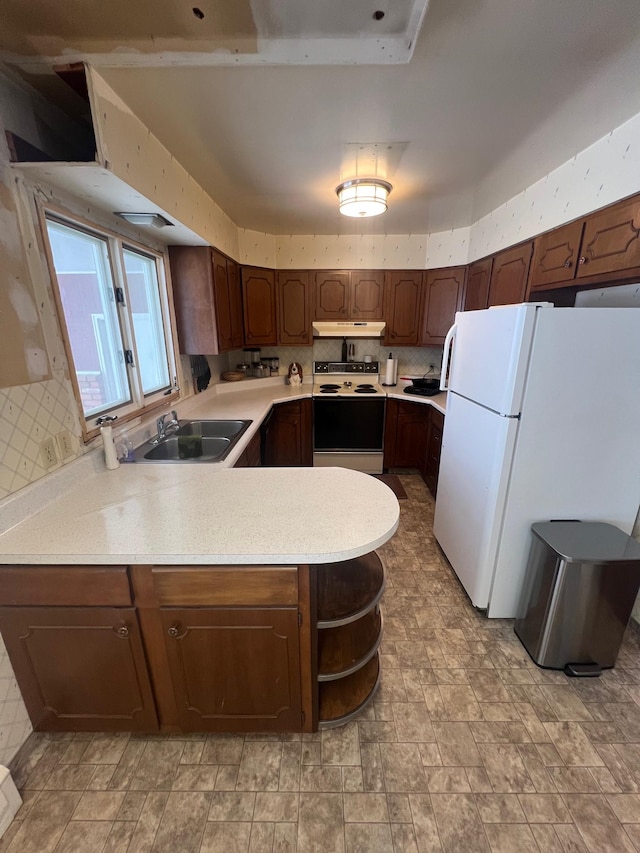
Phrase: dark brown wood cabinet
[403,302]
[477,289]
[294,308]
[348,295]
[602,247]
[443,296]
[207,299]
[251,455]
[234,669]
[405,434]
[286,435]
[431,464]
[509,275]
[259,306]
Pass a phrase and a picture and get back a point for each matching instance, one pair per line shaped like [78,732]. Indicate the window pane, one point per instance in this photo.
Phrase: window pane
[146,311]
[88,301]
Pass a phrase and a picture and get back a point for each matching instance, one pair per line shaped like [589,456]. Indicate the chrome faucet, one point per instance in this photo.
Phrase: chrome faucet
[164,426]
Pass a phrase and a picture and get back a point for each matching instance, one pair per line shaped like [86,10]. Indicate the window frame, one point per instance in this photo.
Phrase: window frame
[140,404]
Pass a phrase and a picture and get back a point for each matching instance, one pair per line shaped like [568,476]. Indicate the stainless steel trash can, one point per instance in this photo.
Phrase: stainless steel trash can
[581,583]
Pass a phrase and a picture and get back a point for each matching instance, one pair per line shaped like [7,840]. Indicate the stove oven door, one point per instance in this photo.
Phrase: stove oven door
[349,432]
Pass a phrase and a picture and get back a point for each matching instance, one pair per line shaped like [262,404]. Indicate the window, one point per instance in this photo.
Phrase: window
[115,319]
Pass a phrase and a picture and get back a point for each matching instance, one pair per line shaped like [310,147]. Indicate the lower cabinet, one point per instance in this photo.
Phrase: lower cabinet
[251,455]
[234,669]
[80,668]
[413,439]
[286,435]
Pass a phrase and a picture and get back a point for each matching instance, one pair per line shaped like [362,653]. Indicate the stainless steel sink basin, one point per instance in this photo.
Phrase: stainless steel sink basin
[194,441]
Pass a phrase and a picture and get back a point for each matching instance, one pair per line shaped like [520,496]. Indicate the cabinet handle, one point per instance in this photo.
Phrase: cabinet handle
[173,631]
[582,260]
[567,264]
[123,631]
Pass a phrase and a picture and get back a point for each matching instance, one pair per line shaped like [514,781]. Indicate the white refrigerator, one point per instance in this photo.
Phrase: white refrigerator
[542,422]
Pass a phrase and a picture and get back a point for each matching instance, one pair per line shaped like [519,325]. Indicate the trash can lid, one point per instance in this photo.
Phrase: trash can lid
[587,541]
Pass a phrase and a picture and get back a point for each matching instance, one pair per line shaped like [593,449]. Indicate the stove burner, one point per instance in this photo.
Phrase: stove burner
[329,386]
[365,389]
[328,390]
[366,386]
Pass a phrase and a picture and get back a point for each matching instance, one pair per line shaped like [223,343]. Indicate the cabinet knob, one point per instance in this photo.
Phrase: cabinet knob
[173,631]
[567,264]
[123,631]
[582,260]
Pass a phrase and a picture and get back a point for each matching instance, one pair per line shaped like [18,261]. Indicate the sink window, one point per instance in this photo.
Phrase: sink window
[114,313]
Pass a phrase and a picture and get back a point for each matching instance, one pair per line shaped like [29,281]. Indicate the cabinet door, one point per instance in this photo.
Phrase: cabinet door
[411,435]
[331,296]
[444,290]
[433,450]
[192,281]
[611,240]
[259,304]
[555,256]
[509,275]
[477,290]
[294,308]
[403,295]
[235,669]
[390,432]
[80,668]
[222,302]
[366,295]
[287,441]
[235,304]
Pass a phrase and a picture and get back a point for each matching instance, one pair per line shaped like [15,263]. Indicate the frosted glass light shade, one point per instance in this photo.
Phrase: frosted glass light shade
[363,197]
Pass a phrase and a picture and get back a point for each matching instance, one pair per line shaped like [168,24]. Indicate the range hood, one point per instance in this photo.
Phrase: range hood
[348,328]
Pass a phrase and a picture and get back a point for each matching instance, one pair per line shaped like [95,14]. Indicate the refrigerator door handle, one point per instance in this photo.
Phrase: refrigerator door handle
[446,356]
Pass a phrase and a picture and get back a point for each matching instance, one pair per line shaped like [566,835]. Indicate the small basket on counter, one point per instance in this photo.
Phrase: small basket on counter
[232,375]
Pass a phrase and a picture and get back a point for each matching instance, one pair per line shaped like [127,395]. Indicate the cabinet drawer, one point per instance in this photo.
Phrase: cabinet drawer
[407,407]
[221,586]
[70,586]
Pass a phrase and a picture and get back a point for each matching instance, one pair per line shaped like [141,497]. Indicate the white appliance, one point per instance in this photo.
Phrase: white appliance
[542,422]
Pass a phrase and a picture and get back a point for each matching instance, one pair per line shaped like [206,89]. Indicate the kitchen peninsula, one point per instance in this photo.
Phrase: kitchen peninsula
[198,598]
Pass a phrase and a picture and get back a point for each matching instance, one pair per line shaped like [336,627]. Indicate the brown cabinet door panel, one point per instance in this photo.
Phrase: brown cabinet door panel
[288,435]
[80,668]
[294,308]
[509,275]
[402,312]
[192,280]
[477,290]
[259,304]
[555,256]
[235,304]
[222,303]
[411,435]
[235,669]
[444,290]
[611,240]
[367,295]
[331,296]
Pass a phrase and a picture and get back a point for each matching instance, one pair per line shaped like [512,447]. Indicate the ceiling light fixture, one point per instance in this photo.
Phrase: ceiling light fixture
[154,219]
[362,197]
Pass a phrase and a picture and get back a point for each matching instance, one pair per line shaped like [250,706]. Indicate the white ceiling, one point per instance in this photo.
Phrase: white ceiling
[497,94]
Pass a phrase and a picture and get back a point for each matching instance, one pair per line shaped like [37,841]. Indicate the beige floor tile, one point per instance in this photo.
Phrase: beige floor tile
[365,808]
[106,749]
[40,831]
[84,836]
[510,837]
[285,837]
[544,808]
[195,777]
[261,840]
[456,745]
[399,808]
[132,805]
[379,731]
[259,766]
[447,779]
[232,806]
[404,838]
[566,704]
[626,807]
[600,829]
[279,807]
[222,749]
[460,702]
[119,839]
[402,768]
[183,822]
[372,775]
[500,808]
[341,745]
[321,823]
[505,768]
[226,838]
[366,837]
[157,766]
[99,805]
[321,779]
[459,824]
[413,723]
[352,780]
[147,826]
[573,745]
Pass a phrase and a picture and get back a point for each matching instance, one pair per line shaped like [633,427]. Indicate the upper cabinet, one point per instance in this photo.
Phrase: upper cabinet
[477,291]
[508,283]
[259,303]
[443,295]
[402,308]
[206,294]
[294,308]
[349,295]
[604,246]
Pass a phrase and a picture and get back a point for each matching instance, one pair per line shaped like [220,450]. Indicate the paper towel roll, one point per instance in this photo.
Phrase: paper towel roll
[110,455]
[391,371]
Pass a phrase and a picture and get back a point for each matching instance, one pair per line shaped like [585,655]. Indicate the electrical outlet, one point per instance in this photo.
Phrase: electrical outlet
[65,444]
[48,453]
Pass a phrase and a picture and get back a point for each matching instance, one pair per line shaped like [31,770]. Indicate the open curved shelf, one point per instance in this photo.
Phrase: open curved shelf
[344,649]
[347,590]
[342,700]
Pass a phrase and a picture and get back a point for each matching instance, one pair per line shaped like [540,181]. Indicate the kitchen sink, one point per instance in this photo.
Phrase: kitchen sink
[194,441]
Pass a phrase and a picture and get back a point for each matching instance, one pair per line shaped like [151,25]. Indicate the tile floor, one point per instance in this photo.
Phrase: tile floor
[468,747]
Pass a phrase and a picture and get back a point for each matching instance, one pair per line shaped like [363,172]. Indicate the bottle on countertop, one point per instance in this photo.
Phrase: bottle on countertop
[344,349]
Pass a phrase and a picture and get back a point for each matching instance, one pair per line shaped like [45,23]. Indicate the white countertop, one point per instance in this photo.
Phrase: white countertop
[203,513]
